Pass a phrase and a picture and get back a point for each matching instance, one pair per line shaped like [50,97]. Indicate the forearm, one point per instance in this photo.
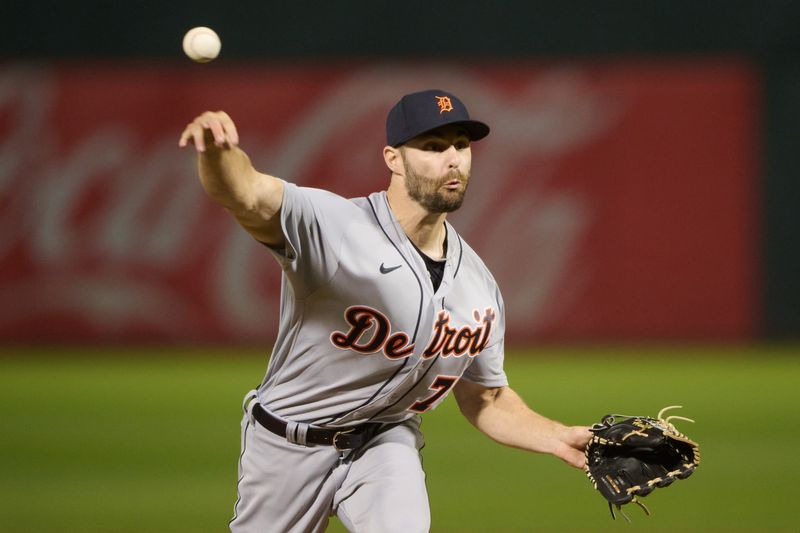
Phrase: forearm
[509,421]
[503,416]
[230,179]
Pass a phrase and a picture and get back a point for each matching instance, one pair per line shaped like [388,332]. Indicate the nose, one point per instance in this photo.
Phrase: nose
[454,157]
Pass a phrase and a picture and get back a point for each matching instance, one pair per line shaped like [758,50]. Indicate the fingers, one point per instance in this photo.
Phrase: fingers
[572,445]
[210,127]
[193,133]
[222,128]
[580,437]
[577,459]
[571,456]
[575,436]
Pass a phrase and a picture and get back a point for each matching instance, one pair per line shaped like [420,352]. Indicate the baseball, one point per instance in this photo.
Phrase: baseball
[201,44]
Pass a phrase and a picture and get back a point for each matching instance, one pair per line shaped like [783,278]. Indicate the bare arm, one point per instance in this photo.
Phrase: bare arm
[230,179]
[502,415]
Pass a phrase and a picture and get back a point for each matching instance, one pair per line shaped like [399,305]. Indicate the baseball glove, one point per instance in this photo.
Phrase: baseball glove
[628,457]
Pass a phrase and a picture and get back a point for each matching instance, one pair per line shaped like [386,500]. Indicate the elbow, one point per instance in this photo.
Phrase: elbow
[474,400]
[472,416]
[243,202]
[238,206]
[246,206]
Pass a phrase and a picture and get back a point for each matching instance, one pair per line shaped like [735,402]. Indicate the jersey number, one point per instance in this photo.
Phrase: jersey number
[441,385]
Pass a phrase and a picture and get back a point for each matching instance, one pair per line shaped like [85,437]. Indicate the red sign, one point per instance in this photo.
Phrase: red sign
[612,202]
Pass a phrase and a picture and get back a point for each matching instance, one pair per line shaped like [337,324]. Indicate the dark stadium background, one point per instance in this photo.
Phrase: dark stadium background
[112,423]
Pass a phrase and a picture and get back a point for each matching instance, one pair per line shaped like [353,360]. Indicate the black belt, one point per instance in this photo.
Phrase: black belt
[347,439]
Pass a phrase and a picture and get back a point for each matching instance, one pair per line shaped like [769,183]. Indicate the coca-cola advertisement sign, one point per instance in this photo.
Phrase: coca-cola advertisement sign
[611,202]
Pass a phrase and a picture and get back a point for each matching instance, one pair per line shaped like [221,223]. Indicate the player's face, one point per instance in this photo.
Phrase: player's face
[437,168]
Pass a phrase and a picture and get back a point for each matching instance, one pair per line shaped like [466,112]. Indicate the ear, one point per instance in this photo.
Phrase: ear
[393,159]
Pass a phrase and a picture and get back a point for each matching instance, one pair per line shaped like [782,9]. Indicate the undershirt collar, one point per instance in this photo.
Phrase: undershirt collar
[435,268]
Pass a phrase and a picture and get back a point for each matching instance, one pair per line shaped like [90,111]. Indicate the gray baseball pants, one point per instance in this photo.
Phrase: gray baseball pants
[285,487]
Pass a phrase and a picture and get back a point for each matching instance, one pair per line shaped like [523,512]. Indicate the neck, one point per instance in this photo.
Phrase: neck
[426,230]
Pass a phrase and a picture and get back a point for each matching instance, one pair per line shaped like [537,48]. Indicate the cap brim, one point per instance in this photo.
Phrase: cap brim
[476,130]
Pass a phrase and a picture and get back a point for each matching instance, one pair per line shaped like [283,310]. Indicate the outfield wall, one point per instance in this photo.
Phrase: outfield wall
[659,188]
[613,200]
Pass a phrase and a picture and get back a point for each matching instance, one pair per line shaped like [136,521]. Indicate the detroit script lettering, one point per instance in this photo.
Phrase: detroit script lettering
[446,341]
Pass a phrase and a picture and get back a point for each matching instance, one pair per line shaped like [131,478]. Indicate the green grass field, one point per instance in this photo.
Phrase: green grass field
[147,440]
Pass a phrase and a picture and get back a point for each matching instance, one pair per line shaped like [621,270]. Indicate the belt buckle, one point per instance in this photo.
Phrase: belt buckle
[336,436]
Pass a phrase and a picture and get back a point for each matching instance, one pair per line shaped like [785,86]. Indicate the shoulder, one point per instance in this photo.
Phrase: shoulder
[311,192]
[321,199]
[472,269]
[471,261]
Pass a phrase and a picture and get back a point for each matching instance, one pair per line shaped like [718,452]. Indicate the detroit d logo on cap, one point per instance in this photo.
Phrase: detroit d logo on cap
[444,104]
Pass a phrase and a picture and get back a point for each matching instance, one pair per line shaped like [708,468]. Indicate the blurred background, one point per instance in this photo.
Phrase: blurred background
[636,201]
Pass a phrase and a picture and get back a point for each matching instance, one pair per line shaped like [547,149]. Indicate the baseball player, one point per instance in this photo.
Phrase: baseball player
[384,310]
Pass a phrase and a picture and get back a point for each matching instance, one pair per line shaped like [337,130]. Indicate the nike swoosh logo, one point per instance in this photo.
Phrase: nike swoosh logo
[386,270]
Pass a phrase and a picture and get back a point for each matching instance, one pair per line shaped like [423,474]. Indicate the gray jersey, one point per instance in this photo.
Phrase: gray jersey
[363,336]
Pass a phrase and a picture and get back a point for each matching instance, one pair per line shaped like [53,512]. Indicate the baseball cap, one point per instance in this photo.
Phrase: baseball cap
[423,111]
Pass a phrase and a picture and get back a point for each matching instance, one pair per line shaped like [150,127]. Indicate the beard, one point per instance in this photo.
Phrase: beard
[430,192]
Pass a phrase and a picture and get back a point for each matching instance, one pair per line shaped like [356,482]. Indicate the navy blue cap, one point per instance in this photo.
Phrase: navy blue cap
[418,113]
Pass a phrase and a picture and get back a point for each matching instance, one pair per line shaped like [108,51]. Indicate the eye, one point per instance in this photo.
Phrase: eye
[461,144]
[433,147]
